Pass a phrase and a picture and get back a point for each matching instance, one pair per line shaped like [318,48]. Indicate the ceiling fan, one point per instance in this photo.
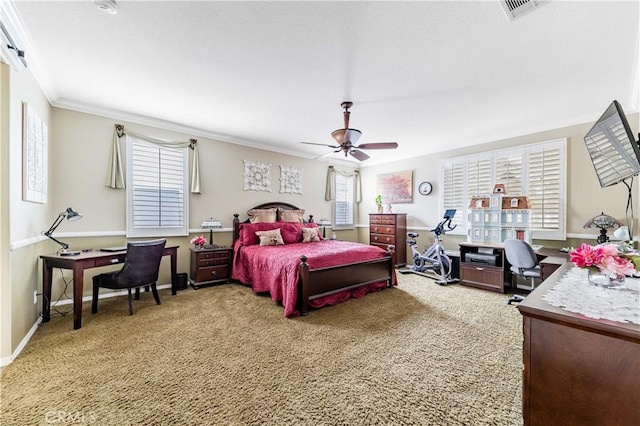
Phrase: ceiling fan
[347,138]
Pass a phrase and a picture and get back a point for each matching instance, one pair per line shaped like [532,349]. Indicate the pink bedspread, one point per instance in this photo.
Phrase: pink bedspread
[274,269]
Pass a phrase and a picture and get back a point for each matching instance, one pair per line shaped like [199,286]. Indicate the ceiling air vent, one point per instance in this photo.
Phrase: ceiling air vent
[516,8]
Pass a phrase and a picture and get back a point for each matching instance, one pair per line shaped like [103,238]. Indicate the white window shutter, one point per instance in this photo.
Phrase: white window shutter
[157,191]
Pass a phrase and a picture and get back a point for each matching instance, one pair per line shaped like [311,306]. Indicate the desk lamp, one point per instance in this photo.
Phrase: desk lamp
[324,223]
[71,215]
[602,222]
[211,224]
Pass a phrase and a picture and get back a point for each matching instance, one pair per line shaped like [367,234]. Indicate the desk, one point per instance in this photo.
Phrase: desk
[80,262]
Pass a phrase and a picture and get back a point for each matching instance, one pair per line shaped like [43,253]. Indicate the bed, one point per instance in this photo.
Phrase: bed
[304,275]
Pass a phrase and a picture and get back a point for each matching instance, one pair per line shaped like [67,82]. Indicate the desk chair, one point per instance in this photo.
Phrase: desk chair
[524,262]
[140,269]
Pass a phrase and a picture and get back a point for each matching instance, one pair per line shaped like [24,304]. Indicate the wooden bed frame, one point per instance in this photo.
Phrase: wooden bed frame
[316,283]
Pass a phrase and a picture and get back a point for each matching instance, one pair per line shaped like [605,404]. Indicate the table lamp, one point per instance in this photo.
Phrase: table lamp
[211,224]
[71,215]
[602,222]
[324,223]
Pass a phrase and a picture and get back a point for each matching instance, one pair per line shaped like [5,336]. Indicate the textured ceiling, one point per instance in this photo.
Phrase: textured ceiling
[430,75]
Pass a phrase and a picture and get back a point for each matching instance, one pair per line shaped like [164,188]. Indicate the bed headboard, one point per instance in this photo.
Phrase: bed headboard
[275,204]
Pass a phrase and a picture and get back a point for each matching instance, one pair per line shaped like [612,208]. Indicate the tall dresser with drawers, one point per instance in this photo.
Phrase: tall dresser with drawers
[389,228]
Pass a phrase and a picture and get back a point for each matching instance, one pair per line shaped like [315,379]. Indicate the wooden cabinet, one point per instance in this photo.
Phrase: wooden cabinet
[484,266]
[577,370]
[390,229]
[210,266]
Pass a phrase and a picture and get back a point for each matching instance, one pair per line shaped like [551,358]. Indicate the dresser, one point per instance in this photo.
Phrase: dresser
[390,229]
[210,266]
[577,370]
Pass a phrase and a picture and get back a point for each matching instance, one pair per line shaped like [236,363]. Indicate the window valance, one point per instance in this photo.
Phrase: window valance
[115,177]
[330,191]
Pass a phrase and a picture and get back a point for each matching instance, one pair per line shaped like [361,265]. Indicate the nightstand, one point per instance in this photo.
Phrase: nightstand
[210,266]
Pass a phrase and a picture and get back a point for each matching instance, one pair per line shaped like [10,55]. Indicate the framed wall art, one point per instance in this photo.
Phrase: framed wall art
[35,154]
[257,176]
[291,181]
[396,188]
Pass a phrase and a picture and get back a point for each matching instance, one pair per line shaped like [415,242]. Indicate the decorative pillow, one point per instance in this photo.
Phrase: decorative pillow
[270,238]
[291,215]
[248,235]
[291,232]
[310,235]
[262,215]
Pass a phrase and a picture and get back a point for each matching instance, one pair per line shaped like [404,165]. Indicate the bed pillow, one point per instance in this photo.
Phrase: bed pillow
[310,235]
[291,215]
[248,235]
[262,215]
[270,238]
[291,232]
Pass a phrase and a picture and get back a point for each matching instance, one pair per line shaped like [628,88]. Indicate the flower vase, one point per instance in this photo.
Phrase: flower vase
[605,280]
[379,208]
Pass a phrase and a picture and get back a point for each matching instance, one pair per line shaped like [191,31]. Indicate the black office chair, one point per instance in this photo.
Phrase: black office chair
[524,262]
[140,269]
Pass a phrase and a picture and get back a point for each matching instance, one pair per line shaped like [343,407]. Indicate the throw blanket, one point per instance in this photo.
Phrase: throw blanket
[274,269]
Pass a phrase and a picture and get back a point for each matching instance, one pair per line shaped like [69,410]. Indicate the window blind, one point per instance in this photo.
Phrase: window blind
[157,188]
[343,204]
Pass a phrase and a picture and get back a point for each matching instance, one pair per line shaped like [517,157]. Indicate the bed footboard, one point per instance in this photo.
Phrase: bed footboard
[315,283]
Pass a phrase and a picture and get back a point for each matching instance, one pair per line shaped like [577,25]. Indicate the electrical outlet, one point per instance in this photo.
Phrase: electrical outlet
[35,297]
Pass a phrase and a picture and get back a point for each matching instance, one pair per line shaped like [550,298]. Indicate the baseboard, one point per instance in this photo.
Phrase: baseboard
[106,295]
[8,360]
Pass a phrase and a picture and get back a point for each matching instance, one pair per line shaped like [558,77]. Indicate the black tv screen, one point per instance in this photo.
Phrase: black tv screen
[612,147]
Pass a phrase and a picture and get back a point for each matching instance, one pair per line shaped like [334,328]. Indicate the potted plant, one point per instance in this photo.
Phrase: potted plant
[379,203]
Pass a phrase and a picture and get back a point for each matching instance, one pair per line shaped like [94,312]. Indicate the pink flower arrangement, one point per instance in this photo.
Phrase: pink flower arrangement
[199,240]
[605,257]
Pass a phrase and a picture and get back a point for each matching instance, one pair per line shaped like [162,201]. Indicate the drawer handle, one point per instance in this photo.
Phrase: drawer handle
[375,229]
[479,269]
[214,273]
[115,261]
[388,239]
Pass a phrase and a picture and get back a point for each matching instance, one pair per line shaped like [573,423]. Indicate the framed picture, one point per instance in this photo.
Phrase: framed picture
[35,154]
[396,188]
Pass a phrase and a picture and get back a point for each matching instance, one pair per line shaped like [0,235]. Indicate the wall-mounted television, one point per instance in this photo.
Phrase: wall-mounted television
[612,147]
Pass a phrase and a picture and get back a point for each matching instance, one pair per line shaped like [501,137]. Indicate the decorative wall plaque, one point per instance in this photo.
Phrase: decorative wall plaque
[291,181]
[257,176]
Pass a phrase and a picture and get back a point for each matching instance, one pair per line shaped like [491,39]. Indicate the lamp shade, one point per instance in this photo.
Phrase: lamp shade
[72,215]
[211,223]
[602,221]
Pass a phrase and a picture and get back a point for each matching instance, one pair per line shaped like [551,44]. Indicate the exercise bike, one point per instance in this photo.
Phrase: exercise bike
[433,262]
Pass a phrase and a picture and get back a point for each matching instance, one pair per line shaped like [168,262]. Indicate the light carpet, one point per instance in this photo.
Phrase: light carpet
[418,354]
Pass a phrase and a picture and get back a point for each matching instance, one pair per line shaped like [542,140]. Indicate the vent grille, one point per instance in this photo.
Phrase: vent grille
[516,8]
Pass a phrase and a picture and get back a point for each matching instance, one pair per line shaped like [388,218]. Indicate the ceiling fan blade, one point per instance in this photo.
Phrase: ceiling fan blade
[322,144]
[378,145]
[359,155]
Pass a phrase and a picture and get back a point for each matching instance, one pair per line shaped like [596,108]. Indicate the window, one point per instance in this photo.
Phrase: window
[537,171]
[157,190]
[344,200]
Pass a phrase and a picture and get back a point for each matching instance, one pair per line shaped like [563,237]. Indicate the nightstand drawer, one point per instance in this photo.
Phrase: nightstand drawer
[210,261]
[212,273]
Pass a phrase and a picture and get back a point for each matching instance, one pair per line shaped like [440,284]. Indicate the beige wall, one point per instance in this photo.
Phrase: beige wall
[21,221]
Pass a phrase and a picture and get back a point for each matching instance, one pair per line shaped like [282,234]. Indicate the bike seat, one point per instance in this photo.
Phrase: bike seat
[412,234]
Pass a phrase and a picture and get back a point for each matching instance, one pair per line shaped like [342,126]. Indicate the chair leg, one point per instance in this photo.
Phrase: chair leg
[155,293]
[130,302]
[94,299]
[137,293]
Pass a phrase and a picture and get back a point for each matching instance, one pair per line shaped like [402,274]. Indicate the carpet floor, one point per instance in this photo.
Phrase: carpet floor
[418,354]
